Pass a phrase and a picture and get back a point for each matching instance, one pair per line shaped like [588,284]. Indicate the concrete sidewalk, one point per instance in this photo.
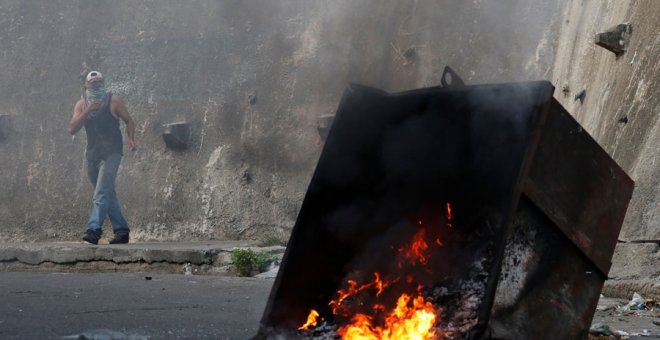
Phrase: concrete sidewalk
[208,257]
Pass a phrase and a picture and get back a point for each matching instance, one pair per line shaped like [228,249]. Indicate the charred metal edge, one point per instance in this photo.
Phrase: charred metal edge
[482,329]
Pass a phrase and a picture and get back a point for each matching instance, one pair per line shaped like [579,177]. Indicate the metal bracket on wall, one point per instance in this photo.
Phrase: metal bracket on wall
[177,135]
[615,39]
[450,78]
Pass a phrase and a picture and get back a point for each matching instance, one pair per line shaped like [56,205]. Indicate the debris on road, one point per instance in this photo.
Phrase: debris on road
[618,319]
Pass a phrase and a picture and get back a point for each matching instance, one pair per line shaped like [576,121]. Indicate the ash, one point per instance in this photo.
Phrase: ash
[323,332]
[459,304]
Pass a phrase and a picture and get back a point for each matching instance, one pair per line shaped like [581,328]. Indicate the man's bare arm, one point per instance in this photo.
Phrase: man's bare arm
[119,109]
[80,115]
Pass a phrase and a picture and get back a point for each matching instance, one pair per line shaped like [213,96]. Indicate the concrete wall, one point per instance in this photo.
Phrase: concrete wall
[621,87]
[618,87]
[206,62]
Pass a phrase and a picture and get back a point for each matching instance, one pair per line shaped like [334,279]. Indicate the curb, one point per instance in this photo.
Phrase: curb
[172,257]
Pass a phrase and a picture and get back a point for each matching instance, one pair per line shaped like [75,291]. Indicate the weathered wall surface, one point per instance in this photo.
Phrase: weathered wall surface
[252,77]
[621,111]
[618,89]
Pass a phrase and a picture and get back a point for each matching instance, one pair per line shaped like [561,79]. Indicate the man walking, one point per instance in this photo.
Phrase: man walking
[99,112]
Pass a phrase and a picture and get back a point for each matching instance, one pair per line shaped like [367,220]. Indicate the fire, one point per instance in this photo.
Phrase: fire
[404,322]
[449,215]
[380,285]
[311,321]
[367,313]
[352,290]
[417,251]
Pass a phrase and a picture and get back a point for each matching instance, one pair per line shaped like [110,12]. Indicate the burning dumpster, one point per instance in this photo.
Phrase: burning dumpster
[451,212]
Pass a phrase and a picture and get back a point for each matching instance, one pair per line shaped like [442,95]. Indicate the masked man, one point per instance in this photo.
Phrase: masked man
[99,112]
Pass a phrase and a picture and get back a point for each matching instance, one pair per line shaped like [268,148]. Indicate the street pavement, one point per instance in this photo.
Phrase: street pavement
[129,306]
[136,306]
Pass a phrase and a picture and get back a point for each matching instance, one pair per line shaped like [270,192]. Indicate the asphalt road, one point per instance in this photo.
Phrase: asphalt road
[128,306]
[112,306]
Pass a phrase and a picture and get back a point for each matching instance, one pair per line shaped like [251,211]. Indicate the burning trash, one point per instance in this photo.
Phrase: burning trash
[395,306]
[399,304]
[450,213]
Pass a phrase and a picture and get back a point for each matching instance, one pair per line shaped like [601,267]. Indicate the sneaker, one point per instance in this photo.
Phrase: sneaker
[91,237]
[119,239]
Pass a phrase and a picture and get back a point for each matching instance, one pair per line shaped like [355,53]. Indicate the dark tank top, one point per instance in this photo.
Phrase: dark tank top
[103,134]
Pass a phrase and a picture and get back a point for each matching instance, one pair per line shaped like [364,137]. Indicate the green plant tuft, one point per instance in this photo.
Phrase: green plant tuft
[246,262]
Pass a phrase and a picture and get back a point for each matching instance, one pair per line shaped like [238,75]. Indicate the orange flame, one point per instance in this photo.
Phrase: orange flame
[416,252]
[412,318]
[311,321]
[404,322]
[353,289]
[380,285]
[449,215]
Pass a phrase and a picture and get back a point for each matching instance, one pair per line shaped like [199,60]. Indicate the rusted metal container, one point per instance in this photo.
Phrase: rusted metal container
[536,209]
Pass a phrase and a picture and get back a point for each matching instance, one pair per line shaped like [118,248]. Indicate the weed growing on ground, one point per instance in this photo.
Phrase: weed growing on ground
[246,262]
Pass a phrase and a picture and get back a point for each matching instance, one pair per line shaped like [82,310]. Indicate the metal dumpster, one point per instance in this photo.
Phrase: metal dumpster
[487,207]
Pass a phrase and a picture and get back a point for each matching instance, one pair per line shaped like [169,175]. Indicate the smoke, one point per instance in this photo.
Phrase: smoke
[399,46]
[201,62]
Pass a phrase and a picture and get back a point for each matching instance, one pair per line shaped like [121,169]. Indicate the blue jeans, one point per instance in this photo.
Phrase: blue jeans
[102,174]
